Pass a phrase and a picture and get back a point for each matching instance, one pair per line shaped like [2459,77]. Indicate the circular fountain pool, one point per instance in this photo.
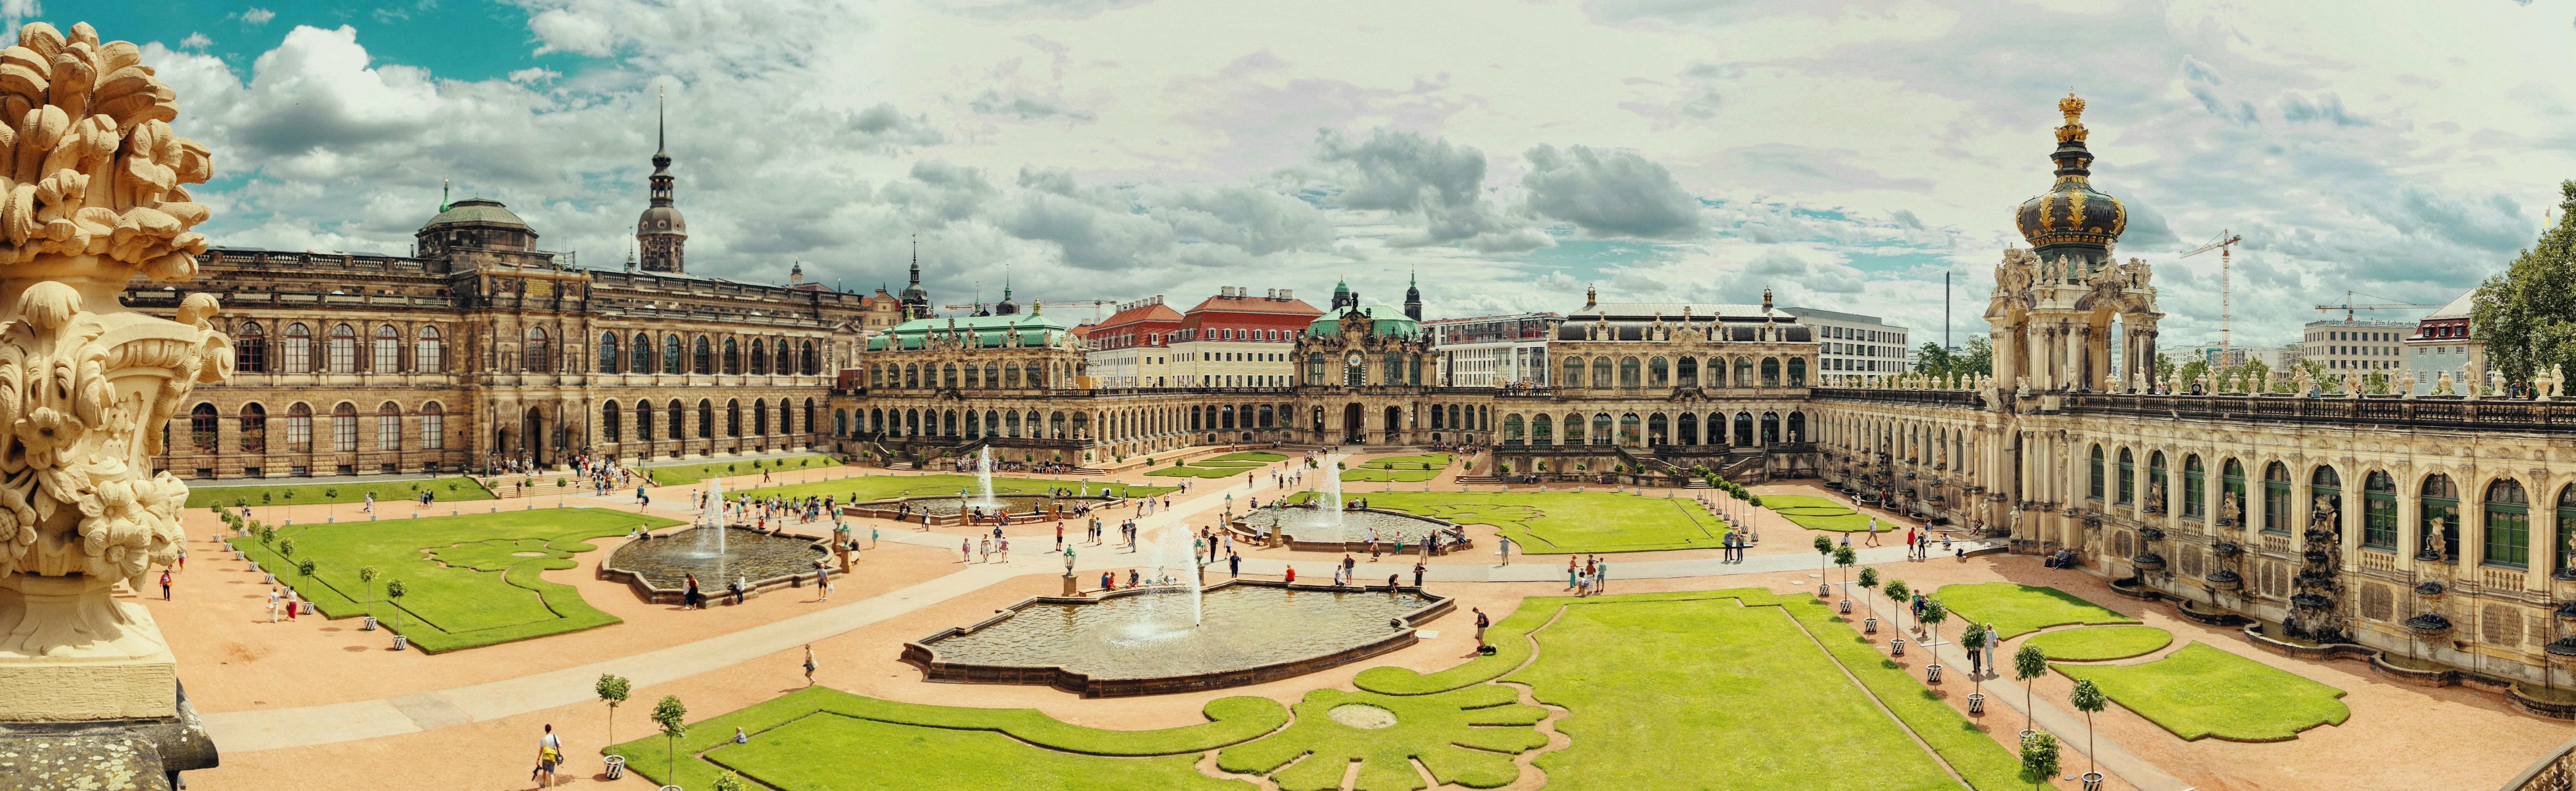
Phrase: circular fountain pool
[659,566]
[1305,524]
[951,506]
[1141,643]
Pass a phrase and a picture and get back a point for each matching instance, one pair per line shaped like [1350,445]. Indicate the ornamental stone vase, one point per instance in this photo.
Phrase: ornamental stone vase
[96,196]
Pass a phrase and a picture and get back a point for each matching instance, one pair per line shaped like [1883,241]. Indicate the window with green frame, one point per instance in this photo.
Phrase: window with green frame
[2128,478]
[2156,482]
[2276,498]
[2508,529]
[2195,489]
[2325,489]
[2093,487]
[2231,488]
[2439,506]
[2562,565]
[2379,511]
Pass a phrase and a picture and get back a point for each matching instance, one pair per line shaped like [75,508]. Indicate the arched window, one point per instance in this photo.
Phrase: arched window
[1601,424]
[1574,372]
[1770,427]
[433,426]
[702,358]
[2231,489]
[1601,372]
[299,428]
[609,428]
[298,349]
[1266,421]
[639,358]
[1744,372]
[992,375]
[2128,478]
[2563,556]
[733,419]
[644,420]
[2325,497]
[1797,372]
[2379,511]
[2195,488]
[1686,372]
[428,352]
[841,422]
[732,357]
[759,357]
[537,355]
[1686,432]
[1743,428]
[1542,431]
[344,427]
[1394,370]
[250,349]
[2508,529]
[2093,475]
[203,424]
[1659,429]
[388,426]
[948,374]
[1770,372]
[1658,373]
[254,430]
[608,358]
[759,416]
[386,357]
[2276,498]
[810,413]
[813,361]
[706,419]
[672,359]
[344,349]
[1011,424]
[1628,372]
[1011,375]
[679,423]
[2439,528]
[1628,431]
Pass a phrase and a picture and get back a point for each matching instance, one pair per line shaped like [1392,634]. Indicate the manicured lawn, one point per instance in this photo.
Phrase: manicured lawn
[2100,643]
[1712,694]
[1254,456]
[2017,609]
[1466,736]
[879,487]
[683,474]
[1817,513]
[2202,691]
[820,738]
[1564,522]
[471,587]
[1421,467]
[1206,469]
[445,489]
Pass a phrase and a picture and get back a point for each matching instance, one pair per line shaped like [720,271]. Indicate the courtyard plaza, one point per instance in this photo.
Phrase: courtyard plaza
[319,702]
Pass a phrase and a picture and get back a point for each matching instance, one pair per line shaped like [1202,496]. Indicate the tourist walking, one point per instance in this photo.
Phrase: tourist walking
[1600,576]
[549,754]
[809,664]
[823,580]
[1417,575]
[1234,565]
[1873,531]
[165,584]
[1481,623]
[1504,548]
[965,550]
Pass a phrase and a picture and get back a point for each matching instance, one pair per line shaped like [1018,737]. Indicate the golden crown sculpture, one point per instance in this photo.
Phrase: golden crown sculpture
[2073,131]
[90,195]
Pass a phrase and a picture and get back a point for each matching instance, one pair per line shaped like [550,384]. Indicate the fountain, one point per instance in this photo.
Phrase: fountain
[712,520]
[1174,562]
[659,568]
[983,481]
[1325,525]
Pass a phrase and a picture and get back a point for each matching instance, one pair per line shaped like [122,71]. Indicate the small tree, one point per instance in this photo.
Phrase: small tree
[730,782]
[2029,663]
[2088,699]
[286,548]
[1896,593]
[1975,640]
[1824,552]
[394,592]
[305,568]
[613,689]
[1933,615]
[1845,556]
[267,535]
[1868,580]
[673,718]
[2039,757]
[367,576]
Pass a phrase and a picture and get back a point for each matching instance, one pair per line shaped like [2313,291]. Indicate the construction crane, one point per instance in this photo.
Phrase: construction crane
[2347,307]
[2226,283]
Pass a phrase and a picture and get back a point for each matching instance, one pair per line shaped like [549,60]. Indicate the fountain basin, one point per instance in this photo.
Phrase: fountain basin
[948,510]
[657,567]
[1307,531]
[1108,646]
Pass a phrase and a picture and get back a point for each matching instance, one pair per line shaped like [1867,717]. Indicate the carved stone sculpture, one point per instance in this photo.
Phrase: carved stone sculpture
[2406,383]
[2442,386]
[2227,510]
[85,383]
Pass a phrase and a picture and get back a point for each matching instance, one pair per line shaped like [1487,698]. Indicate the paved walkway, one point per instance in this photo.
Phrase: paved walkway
[269,729]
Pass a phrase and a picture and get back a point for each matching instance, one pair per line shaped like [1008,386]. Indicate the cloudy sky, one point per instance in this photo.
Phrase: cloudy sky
[1847,155]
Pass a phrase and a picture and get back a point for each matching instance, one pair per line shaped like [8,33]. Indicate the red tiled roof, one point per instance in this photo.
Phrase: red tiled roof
[1154,312]
[1297,307]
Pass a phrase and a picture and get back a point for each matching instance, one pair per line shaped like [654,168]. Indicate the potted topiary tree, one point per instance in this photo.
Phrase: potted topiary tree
[1933,615]
[1975,640]
[1845,556]
[393,593]
[2039,757]
[1896,593]
[304,568]
[613,689]
[673,718]
[1868,581]
[367,576]
[730,782]
[2088,699]
[2028,663]
[1824,552]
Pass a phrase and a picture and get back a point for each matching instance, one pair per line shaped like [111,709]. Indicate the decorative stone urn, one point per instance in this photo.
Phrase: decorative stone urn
[94,197]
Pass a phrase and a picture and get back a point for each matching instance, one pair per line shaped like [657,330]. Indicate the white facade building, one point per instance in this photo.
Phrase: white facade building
[1856,347]
[1492,351]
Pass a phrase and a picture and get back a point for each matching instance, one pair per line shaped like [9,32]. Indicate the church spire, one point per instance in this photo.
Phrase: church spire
[661,233]
[1413,296]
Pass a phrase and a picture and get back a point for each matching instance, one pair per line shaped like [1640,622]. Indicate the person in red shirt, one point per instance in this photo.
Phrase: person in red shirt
[1292,574]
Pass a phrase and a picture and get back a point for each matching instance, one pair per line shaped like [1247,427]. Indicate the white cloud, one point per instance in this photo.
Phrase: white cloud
[196,41]
[258,16]
[535,75]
